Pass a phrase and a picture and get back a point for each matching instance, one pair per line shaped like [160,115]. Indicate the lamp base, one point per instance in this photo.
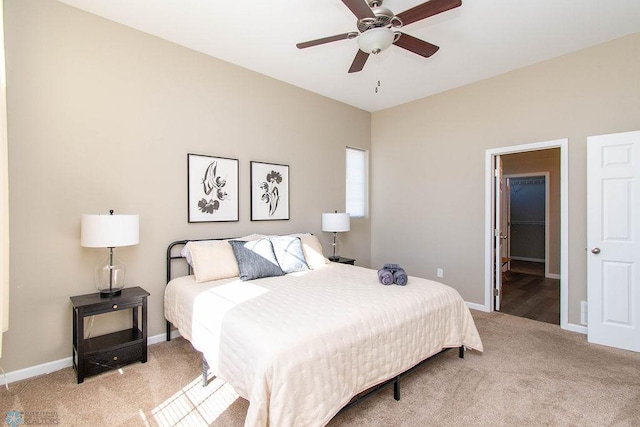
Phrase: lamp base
[109,276]
[108,294]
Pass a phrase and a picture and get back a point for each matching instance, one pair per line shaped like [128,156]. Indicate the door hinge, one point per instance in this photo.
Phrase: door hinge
[496,233]
[496,292]
[495,173]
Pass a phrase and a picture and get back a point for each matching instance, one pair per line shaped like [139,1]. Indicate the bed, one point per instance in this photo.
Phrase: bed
[300,346]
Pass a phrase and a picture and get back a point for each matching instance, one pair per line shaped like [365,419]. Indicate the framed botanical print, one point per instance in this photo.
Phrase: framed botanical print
[212,188]
[269,191]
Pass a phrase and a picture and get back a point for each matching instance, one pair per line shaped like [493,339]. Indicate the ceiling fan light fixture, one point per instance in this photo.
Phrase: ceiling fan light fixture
[376,40]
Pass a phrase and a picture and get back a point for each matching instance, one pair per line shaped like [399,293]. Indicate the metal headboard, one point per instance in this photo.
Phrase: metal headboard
[171,257]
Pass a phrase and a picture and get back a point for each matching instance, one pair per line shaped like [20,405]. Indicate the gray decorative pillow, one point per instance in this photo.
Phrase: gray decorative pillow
[288,250]
[255,259]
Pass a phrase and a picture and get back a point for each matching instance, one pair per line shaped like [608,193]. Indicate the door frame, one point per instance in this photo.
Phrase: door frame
[563,145]
[545,175]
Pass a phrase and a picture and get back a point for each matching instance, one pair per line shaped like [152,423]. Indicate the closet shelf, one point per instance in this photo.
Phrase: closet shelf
[527,223]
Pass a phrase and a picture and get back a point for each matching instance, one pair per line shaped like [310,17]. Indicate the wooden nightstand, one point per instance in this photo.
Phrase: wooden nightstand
[94,355]
[343,260]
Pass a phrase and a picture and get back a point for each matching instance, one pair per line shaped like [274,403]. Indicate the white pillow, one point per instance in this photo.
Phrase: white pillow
[186,253]
[212,261]
[289,253]
[312,250]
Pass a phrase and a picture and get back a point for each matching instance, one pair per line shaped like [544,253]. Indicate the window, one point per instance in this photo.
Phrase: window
[356,182]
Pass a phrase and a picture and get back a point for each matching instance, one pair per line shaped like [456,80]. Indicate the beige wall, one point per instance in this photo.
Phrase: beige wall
[102,117]
[542,161]
[428,159]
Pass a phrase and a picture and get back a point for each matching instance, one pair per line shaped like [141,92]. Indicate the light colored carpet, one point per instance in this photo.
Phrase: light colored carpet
[531,373]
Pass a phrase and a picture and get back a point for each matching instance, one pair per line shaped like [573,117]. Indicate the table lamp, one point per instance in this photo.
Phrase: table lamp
[109,231]
[335,223]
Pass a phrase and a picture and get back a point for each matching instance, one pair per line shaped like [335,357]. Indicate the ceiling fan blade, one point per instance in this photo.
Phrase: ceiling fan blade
[416,46]
[425,10]
[329,39]
[359,61]
[359,8]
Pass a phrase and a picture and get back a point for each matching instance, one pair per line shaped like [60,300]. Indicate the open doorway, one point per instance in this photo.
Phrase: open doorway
[547,247]
[529,287]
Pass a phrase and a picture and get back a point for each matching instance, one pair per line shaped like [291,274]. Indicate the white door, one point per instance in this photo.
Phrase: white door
[613,238]
[497,250]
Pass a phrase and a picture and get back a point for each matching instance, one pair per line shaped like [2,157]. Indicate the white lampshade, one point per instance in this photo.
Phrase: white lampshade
[375,40]
[109,231]
[336,222]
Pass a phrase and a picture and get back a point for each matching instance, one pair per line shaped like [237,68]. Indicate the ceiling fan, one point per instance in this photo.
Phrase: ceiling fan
[375,29]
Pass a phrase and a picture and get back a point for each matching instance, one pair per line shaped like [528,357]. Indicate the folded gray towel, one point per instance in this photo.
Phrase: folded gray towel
[385,276]
[392,273]
[400,277]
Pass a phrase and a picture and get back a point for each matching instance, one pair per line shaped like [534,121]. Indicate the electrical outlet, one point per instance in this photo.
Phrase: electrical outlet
[440,272]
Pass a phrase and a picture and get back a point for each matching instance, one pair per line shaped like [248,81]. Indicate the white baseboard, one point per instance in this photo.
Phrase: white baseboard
[581,329]
[49,367]
[478,307]
[34,371]
[162,337]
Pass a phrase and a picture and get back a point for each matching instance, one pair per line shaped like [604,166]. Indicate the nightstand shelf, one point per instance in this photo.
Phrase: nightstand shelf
[112,340]
[343,260]
[95,355]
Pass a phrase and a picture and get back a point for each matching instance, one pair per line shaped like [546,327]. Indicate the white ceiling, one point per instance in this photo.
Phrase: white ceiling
[480,39]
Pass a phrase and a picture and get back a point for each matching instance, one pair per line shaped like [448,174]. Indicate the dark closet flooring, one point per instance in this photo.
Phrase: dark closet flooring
[527,293]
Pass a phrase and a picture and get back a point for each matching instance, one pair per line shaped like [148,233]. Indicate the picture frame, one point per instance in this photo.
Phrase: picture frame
[212,189]
[269,191]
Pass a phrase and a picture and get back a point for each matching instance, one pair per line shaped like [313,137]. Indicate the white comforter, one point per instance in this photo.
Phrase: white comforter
[300,346]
